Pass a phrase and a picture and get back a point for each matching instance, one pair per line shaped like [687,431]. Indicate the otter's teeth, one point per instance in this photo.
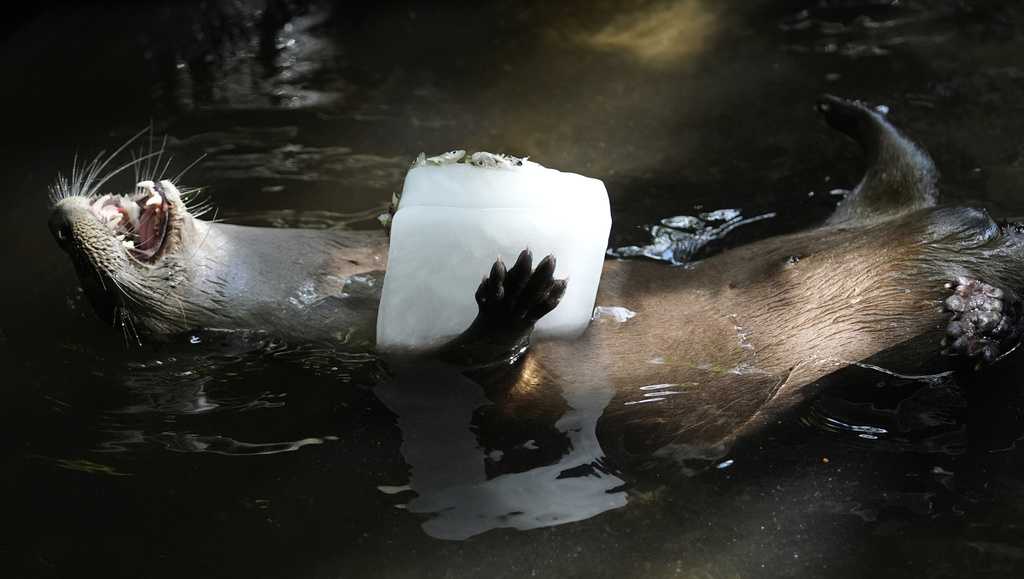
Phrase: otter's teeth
[107,213]
[97,205]
[132,211]
[128,244]
[154,200]
[170,191]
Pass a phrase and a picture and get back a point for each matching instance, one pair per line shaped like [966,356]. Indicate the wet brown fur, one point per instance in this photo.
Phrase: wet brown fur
[744,335]
[730,344]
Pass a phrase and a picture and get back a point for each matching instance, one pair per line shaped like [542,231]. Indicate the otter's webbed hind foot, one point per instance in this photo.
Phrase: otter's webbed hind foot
[986,322]
[510,302]
[900,176]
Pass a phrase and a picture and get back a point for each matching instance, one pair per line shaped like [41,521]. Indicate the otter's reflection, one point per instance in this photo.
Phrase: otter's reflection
[474,473]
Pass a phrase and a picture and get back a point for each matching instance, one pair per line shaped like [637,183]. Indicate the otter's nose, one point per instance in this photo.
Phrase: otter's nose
[60,226]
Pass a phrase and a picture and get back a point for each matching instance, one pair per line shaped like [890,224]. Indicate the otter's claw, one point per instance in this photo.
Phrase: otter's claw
[516,298]
[985,322]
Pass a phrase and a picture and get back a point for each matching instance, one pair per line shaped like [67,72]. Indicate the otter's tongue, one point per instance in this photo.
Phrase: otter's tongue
[150,230]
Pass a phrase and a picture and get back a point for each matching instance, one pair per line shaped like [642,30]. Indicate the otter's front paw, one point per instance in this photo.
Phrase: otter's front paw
[516,298]
[985,323]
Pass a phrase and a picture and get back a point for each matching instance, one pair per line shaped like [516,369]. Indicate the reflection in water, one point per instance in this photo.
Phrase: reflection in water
[184,395]
[83,465]
[311,219]
[831,29]
[439,412]
[189,442]
[258,55]
[924,414]
[660,34]
[680,239]
[272,153]
[299,76]
[299,162]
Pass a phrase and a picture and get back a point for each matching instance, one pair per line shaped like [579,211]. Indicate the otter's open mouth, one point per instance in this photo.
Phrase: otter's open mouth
[138,221]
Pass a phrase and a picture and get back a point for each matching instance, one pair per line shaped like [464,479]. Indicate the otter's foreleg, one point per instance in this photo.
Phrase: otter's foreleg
[510,302]
[986,322]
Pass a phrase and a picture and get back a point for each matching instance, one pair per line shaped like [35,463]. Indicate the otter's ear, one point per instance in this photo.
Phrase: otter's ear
[900,176]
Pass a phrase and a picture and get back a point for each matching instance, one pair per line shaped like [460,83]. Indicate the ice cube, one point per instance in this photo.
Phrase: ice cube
[454,219]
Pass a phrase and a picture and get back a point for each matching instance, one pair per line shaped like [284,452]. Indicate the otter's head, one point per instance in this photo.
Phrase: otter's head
[127,249]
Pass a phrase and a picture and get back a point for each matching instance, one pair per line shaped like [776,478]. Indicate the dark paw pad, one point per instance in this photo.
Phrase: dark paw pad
[516,298]
[985,321]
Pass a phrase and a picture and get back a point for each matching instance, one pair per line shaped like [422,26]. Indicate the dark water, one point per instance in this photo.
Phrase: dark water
[239,455]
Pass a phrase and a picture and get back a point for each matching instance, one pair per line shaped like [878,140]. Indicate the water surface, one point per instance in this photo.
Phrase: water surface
[240,455]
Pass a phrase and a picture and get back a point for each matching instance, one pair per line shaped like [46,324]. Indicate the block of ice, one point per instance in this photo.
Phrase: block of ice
[457,215]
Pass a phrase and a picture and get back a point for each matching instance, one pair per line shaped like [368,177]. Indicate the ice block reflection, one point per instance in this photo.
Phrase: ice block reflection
[439,412]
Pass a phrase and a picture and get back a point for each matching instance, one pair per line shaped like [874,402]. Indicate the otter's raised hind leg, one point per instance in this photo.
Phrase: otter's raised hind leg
[985,323]
[510,303]
[900,176]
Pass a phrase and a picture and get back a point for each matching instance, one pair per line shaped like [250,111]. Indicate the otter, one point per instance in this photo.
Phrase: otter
[151,267]
[682,362]
[710,351]
[723,347]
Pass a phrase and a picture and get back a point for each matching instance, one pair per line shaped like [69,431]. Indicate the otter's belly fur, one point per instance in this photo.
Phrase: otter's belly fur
[305,284]
[726,343]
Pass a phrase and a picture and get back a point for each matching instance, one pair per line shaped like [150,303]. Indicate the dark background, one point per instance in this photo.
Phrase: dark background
[195,459]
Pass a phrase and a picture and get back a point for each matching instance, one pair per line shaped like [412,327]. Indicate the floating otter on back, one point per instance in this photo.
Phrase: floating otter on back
[712,350]
[150,267]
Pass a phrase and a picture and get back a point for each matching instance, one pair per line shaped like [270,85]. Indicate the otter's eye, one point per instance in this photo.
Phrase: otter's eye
[60,228]
[64,233]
